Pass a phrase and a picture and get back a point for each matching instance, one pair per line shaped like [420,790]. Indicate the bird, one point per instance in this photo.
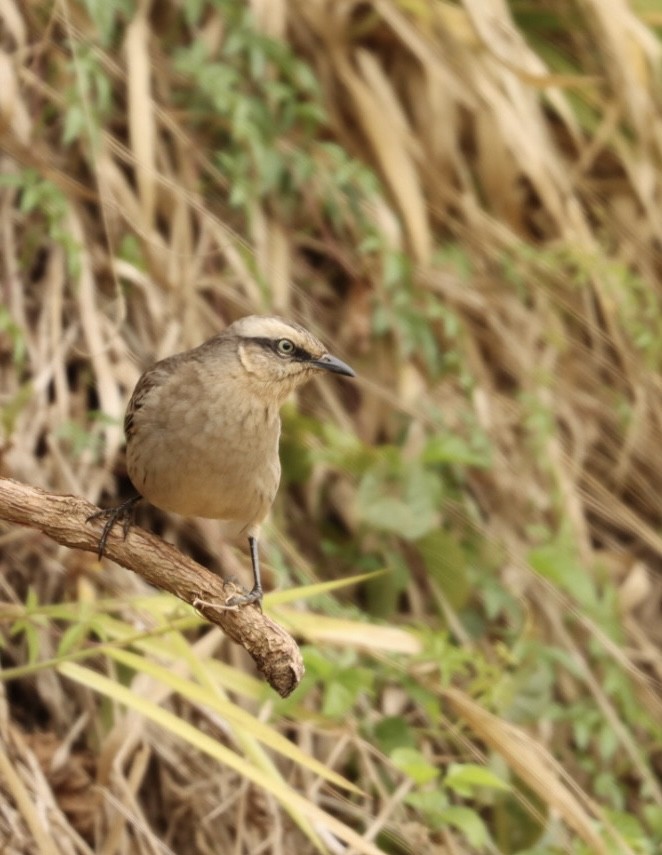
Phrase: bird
[203,427]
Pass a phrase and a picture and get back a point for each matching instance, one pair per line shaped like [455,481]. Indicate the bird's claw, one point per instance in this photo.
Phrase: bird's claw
[253,596]
[112,515]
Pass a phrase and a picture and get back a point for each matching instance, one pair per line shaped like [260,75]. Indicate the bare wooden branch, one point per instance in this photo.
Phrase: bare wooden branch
[64,518]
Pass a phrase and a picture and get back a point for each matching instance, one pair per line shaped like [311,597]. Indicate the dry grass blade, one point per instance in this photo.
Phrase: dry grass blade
[25,803]
[141,121]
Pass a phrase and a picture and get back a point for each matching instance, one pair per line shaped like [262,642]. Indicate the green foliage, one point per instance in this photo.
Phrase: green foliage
[261,108]
[396,494]
[412,314]
[344,681]
[558,561]
[257,112]
[392,733]
[79,439]
[413,763]
[30,626]
[632,832]
[440,814]
[406,504]
[111,15]
[261,95]
[16,336]
[131,250]
[89,98]
[446,562]
[46,207]
[401,498]
[13,407]
[469,779]
[567,268]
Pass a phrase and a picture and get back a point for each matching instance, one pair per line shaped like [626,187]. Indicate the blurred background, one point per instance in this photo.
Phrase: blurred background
[462,199]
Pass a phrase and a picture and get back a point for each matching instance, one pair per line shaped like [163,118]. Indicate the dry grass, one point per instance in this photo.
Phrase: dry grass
[518,150]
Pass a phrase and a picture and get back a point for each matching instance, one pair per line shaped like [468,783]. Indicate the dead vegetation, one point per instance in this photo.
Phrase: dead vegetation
[464,200]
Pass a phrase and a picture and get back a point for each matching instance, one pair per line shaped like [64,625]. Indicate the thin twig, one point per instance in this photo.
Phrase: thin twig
[64,518]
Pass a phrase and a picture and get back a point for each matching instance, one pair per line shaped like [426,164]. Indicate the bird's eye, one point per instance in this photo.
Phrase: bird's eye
[285,347]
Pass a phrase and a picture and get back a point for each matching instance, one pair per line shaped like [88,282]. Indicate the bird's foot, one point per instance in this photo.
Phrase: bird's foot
[122,512]
[253,596]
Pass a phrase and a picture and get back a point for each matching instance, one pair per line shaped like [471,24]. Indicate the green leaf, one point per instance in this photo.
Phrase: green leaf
[392,733]
[75,124]
[318,665]
[73,637]
[630,828]
[303,592]
[338,700]
[450,448]
[446,562]
[465,778]
[413,763]
[468,822]
[653,816]
[411,514]
[431,804]
[105,15]
[558,562]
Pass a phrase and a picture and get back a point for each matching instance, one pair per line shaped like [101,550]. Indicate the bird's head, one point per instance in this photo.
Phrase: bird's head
[281,355]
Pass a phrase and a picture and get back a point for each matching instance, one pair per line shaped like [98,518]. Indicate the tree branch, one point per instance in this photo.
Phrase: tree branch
[64,518]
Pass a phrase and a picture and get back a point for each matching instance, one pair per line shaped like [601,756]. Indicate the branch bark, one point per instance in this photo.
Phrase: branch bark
[64,518]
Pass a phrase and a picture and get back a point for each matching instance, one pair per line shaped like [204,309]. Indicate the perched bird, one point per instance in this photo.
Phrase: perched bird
[202,427]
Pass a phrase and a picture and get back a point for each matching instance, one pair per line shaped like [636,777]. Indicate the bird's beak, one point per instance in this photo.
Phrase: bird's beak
[332,363]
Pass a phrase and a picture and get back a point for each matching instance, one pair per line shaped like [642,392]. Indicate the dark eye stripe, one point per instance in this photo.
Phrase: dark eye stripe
[297,353]
[300,354]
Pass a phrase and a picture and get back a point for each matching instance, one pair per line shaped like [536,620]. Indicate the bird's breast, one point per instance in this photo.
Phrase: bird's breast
[210,455]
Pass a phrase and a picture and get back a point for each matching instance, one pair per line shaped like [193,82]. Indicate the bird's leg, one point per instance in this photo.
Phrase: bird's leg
[120,512]
[255,562]
[255,594]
